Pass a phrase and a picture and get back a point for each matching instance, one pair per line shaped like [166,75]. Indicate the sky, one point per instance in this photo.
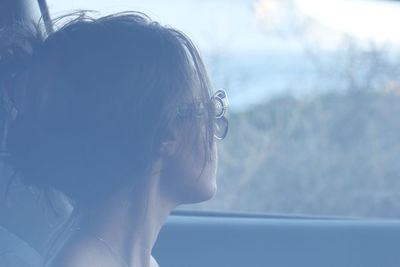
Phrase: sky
[374,19]
[248,37]
[212,24]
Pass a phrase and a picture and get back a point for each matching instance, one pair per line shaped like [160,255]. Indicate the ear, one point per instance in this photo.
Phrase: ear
[169,144]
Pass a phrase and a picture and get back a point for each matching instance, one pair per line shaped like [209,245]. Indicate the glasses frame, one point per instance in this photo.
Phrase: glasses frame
[198,109]
[221,98]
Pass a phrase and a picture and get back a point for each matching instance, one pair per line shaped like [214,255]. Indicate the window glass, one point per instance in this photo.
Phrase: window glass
[314,94]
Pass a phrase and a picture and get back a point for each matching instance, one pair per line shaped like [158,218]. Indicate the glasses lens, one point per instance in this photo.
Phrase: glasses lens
[219,107]
[221,128]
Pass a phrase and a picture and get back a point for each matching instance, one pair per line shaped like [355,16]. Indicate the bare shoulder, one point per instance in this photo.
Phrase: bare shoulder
[83,254]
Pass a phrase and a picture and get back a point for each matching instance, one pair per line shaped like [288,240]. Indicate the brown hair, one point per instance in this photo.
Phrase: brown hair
[97,99]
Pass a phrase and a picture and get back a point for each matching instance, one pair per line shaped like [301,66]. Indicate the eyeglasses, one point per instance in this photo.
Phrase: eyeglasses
[220,104]
[220,100]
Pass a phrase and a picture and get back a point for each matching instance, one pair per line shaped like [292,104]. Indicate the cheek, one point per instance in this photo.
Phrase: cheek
[208,182]
[203,183]
[190,176]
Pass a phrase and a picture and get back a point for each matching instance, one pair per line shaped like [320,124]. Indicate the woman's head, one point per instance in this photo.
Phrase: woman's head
[101,101]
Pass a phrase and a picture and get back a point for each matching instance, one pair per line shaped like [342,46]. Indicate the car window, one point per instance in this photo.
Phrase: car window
[314,94]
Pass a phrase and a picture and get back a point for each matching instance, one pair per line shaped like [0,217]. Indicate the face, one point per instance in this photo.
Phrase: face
[190,173]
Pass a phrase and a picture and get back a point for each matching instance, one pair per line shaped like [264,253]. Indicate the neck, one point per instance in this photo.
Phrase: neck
[131,221]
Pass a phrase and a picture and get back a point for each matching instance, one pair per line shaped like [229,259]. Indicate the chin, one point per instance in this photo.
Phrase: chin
[206,193]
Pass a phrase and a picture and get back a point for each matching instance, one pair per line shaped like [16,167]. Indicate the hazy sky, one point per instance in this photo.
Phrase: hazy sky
[215,23]
[256,63]
[375,19]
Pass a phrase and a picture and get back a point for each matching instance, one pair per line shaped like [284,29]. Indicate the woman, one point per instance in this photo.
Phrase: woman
[116,114]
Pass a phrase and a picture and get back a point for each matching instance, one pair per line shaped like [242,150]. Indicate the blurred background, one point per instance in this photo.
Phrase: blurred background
[314,88]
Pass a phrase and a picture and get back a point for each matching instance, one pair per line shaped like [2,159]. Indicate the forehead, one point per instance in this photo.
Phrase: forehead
[200,86]
[198,80]
[197,90]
